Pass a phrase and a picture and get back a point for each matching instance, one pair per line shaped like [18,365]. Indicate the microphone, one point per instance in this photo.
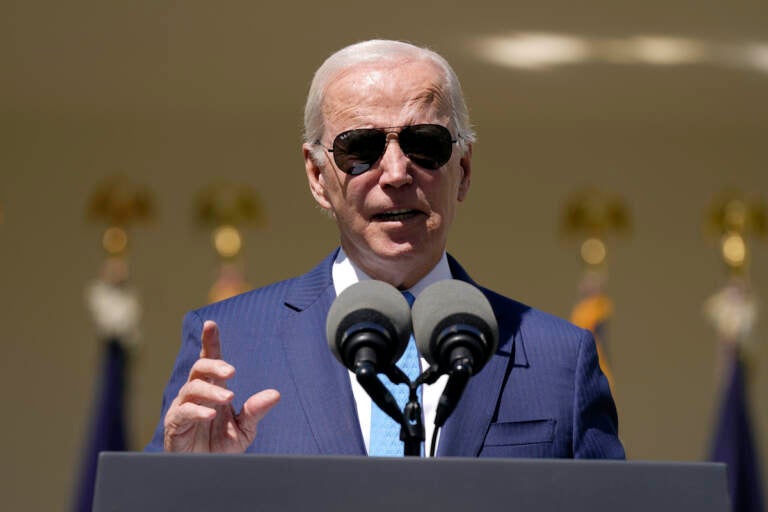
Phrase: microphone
[457,333]
[368,328]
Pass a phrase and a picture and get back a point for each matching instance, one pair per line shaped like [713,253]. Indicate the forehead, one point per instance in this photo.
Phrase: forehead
[386,94]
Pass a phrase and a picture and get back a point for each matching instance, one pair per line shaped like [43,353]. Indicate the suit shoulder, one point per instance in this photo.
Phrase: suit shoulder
[269,294]
[531,319]
[295,292]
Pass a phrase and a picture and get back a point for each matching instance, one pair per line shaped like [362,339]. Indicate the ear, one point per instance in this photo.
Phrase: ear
[465,167]
[315,177]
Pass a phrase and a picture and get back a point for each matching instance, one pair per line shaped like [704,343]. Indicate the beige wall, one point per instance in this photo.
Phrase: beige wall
[179,97]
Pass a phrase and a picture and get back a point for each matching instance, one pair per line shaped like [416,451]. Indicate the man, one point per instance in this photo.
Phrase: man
[387,151]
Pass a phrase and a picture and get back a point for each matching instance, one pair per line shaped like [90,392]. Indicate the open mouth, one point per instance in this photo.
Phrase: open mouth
[396,215]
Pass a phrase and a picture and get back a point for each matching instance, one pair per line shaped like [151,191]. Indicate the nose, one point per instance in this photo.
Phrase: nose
[394,164]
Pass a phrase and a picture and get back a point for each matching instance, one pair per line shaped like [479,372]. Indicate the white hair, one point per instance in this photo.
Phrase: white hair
[384,51]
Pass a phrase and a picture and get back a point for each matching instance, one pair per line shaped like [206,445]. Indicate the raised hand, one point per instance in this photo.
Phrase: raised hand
[201,418]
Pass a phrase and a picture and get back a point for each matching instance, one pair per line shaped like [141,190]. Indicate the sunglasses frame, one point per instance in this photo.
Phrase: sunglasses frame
[397,130]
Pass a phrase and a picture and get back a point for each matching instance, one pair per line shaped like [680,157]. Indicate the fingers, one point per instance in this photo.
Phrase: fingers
[204,393]
[196,402]
[254,409]
[182,417]
[210,341]
[181,425]
[204,388]
[215,371]
[206,367]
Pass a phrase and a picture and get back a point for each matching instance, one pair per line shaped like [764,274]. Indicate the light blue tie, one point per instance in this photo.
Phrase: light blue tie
[385,432]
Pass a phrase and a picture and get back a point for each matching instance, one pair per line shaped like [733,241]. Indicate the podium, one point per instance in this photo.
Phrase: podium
[147,482]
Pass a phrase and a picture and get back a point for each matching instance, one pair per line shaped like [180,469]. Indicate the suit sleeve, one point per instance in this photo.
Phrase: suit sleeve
[595,422]
[189,352]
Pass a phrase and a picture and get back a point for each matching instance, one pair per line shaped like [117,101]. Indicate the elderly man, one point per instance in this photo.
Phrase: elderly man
[388,152]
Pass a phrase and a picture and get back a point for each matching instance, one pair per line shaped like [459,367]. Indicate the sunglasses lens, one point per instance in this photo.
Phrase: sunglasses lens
[426,145]
[355,151]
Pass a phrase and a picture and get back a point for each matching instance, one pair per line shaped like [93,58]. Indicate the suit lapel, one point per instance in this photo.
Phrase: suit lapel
[464,432]
[322,383]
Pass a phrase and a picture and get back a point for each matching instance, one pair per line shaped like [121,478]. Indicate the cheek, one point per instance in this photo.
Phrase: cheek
[347,202]
[352,193]
[334,190]
[447,194]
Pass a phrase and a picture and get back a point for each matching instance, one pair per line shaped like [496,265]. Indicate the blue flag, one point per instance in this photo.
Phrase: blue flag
[108,429]
[733,443]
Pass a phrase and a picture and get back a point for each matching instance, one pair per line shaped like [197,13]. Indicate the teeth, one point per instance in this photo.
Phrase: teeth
[396,214]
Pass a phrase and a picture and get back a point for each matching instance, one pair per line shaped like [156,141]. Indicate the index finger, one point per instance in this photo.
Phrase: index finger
[210,342]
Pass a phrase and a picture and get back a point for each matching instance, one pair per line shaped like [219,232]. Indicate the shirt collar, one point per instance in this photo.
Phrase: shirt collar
[345,273]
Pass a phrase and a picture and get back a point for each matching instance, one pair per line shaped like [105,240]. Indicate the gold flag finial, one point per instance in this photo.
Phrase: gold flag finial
[114,304]
[225,208]
[592,215]
[121,204]
[733,218]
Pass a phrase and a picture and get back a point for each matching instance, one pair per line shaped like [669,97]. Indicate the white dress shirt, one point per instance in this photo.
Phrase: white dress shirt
[345,273]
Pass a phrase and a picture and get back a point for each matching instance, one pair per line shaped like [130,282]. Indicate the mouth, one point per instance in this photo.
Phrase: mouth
[396,215]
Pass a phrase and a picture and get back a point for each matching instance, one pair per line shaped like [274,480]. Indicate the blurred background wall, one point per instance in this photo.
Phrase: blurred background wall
[177,94]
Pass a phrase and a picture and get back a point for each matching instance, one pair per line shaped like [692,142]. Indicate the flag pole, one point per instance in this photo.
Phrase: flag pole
[115,310]
[732,311]
[225,209]
[592,216]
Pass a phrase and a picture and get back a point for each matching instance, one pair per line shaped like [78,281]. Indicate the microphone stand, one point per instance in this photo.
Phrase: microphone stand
[411,424]
[409,419]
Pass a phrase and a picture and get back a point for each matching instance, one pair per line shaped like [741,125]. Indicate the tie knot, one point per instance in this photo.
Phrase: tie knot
[409,297]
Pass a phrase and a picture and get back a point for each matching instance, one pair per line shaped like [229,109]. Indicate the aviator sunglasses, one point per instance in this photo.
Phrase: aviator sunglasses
[427,145]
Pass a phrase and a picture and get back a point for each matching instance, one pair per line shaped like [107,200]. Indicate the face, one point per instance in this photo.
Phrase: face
[393,219]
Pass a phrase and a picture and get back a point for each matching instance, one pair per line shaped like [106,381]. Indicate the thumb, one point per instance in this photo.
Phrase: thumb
[254,409]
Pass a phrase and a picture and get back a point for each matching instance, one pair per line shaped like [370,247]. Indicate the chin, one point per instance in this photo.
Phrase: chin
[404,251]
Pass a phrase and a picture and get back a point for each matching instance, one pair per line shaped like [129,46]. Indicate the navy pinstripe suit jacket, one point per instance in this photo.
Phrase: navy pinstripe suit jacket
[541,395]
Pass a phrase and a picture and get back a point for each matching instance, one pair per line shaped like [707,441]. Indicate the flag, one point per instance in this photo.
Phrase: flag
[733,442]
[733,312]
[115,308]
[231,281]
[592,312]
[108,426]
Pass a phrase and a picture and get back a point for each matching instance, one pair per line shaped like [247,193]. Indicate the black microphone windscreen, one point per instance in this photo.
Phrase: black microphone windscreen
[370,302]
[448,303]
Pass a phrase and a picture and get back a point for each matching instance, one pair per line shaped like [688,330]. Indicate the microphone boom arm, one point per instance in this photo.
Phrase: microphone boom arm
[365,371]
